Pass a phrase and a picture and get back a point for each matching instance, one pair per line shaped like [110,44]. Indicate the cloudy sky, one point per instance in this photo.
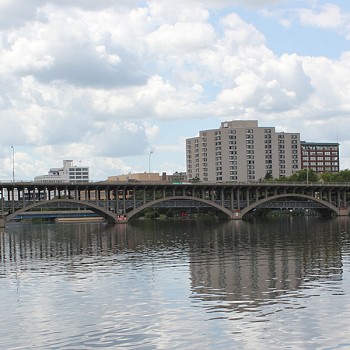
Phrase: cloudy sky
[106,82]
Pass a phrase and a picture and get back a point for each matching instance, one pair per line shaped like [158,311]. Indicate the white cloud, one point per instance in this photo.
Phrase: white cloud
[181,38]
[329,16]
[94,80]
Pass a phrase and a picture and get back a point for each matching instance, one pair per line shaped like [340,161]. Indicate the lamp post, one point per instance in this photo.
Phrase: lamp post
[149,164]
[307,169]
[13,179]
[13,164]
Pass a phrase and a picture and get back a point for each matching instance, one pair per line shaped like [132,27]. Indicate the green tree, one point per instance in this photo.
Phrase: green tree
[304,175]
[268,176]
[344,175]
[341,176]
[328,177]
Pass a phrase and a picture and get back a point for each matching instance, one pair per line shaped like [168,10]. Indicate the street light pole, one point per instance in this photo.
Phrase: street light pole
[13,179]
[307,169]
[149,164]
[13,164]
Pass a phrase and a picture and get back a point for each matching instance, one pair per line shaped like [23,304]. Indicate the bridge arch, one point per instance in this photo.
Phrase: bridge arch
[133,212]
[107,214]
[279,196]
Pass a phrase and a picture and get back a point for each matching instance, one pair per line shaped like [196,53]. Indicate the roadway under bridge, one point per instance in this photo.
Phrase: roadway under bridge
[119,202]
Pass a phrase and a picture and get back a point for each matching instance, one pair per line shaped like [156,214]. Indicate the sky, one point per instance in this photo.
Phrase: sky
[118,85]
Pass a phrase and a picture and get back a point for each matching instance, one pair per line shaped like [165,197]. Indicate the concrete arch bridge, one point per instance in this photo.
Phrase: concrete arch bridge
[119,202]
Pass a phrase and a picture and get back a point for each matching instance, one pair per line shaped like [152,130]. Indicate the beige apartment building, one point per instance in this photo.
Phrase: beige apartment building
[242,151]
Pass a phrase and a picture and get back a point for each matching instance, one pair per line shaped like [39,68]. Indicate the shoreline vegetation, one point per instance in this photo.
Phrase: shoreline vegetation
[309,175]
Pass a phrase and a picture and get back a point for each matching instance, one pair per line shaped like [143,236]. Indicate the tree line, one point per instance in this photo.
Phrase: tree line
[309,175]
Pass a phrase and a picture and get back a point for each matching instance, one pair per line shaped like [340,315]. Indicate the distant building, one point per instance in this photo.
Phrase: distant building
[67,174]
[321,157]
[240,150]
[149,177]
[137,177]
[175,177]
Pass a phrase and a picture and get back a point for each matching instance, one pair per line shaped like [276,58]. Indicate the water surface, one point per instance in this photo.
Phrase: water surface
[278,283]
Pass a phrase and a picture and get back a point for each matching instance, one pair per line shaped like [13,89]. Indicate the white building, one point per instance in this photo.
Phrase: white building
[69,173]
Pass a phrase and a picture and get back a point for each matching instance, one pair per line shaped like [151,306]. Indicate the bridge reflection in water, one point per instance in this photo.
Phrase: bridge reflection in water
[118,202]
[254,263]
[241,264]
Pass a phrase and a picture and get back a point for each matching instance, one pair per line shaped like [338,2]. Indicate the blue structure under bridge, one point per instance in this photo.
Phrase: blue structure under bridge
[70,214]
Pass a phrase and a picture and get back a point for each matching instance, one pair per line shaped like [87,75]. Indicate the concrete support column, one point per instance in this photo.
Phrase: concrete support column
[117,204]
[13,200]
[238,198]
[232,199]
[134,198]
[124,202]
[2,201]
[344,199]
[107,194]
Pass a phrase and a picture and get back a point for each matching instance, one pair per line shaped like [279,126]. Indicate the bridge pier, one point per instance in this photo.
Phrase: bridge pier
[122,219]
[236,215]
[343,212]
[2,222]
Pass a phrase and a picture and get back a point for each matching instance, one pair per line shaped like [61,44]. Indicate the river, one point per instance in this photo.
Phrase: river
[279,283]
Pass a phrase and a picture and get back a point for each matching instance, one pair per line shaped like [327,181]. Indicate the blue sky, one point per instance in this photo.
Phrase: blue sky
[106,82]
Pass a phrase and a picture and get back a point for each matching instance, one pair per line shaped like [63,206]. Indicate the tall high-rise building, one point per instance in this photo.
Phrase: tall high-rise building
[242,151]
[321,157]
